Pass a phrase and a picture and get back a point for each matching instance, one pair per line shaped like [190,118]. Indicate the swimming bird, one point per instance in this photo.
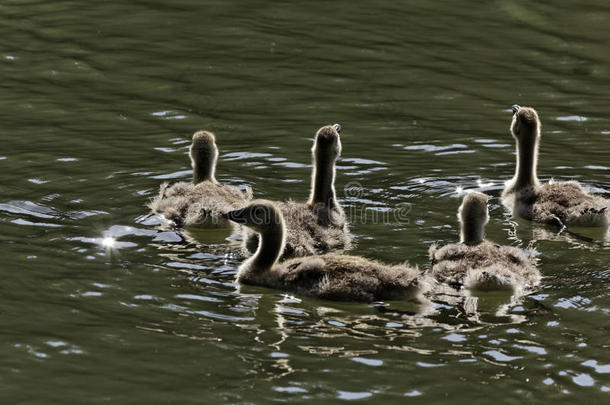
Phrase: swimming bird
[561,203]
[201,201]
[478,264]
[329,276]
[318,225]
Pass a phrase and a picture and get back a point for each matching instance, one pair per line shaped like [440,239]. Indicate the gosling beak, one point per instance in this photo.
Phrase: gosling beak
[515,108]
[337,128]
[235,216]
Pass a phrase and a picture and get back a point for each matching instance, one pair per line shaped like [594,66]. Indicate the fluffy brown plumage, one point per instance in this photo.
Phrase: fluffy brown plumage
[334,277]
[202,201]
[479,264]
[318,225]
[560,203]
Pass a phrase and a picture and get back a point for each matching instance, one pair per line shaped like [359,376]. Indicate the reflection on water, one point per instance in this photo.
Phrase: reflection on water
[101,300]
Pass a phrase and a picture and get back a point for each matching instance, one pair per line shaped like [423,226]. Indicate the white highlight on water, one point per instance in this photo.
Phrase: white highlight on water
[108,242]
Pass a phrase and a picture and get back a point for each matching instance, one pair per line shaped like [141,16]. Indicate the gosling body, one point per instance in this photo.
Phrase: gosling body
[333,277]
[201,201]
[478,264]
[559,203]
[318,225]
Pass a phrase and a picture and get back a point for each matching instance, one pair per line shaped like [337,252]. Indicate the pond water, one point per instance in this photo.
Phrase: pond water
[99,100]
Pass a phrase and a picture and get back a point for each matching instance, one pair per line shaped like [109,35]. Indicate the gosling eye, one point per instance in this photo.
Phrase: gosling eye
[337,128]
[515,108]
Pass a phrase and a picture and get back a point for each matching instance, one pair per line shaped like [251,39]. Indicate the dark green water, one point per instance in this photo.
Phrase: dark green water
[98,102]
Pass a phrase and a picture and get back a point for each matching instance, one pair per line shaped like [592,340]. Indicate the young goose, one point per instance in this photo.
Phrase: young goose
[201,201]
[560,203]
[334,277]
[479,264]
[319,225]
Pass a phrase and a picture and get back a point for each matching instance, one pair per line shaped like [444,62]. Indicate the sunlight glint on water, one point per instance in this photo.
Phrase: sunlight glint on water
[101,301]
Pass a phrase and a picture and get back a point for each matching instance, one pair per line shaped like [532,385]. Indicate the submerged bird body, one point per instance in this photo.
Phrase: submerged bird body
[335,277]
[478,264]
[188,204]
[560,203]
[318,225]
[202,201]
[486,266]
[340,278]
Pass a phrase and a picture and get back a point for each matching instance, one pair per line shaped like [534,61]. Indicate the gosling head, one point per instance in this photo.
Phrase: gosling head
[473,215]
[260,215]
[327,145]
[203,154]
[526,124]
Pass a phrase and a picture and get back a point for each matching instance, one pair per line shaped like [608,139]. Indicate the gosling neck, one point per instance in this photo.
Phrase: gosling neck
[472,232]
[270,248]
[527,162]
[204,170]
[323,182]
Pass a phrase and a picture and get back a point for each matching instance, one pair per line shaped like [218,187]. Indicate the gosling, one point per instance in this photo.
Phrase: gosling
[560,203]
[478,264]
[318,225]
[332,277]
[201,201]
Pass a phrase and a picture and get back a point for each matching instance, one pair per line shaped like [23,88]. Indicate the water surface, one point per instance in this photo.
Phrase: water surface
[99,100]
